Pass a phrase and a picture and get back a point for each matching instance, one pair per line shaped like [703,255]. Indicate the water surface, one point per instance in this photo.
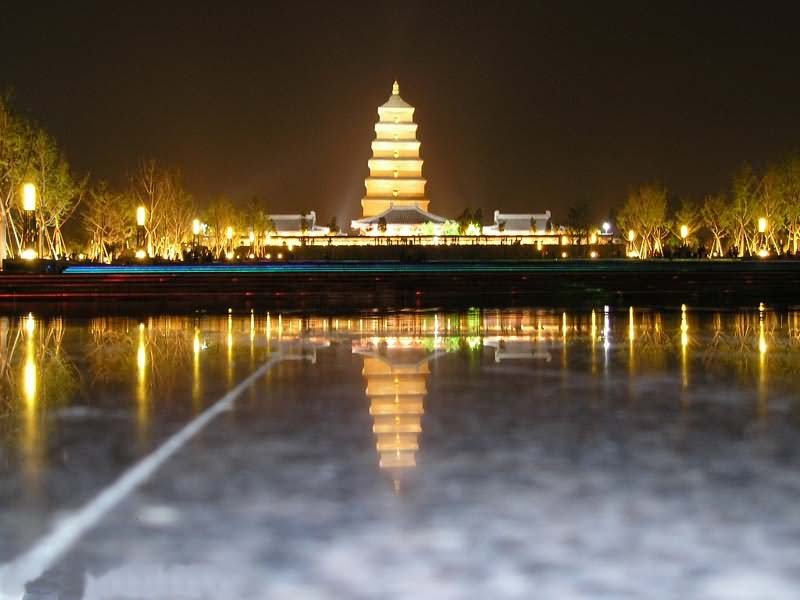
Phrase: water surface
[603,453]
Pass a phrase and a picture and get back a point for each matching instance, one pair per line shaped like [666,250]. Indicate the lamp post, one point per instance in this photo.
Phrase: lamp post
[141,235]
[195,234]
[229,237]
[762,232]
[30,233]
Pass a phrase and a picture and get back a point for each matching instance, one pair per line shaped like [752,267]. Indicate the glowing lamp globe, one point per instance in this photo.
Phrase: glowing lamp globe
[141,216]
[684,232]
[29,197]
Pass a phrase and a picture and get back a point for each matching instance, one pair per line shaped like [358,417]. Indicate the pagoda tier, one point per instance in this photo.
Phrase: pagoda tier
[395,169]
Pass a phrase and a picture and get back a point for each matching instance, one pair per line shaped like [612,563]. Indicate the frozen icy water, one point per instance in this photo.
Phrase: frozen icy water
[492,454]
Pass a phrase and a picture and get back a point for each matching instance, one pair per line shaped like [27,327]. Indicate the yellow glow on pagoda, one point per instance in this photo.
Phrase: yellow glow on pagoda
[395,169]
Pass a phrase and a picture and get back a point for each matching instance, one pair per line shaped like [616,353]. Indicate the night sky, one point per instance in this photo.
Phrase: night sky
[521,107]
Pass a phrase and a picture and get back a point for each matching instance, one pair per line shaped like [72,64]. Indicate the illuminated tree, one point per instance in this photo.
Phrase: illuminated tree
[645,213]
[772,207]
[29,154]
[688,215]
[790,193]
[106,218]
[578,223]
[219,215]
[58,192]
[714,215]
[742,211]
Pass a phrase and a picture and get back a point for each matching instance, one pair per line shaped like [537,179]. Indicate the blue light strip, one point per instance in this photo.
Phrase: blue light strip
[309,267]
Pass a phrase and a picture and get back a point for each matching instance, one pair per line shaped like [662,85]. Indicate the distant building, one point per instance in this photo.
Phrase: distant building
[520,224]
[298,225]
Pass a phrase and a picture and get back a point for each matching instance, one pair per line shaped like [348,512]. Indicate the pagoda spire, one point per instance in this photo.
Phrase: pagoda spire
[395,169]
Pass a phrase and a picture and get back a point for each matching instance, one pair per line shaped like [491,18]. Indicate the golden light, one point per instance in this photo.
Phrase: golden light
[30,324]
[593,238]
[684,232]
[593,254]
[28,197]
[229,232]
[280,255]
[196,227]
[141,216]
[141,254]
[141,351]
[251,236]
[229,255]
[606,227]
[763,253]
[762,224]
[631,235]
[564,255]
[28,254]
[564,240]
[196,342]
[269,256]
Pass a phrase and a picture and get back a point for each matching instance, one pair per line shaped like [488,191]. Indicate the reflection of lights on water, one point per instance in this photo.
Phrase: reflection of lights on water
[141,354]
[762,340]
[474,342]
[29,376]
[684,327]
[631,324]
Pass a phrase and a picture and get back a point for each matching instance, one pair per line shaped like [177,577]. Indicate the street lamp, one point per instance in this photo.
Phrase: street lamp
[195,233]
[606,227]
[141,218]
[30,233]
[229,237]
[762,230]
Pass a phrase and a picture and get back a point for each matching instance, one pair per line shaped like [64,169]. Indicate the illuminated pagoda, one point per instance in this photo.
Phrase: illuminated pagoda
[395,202]
[396,372]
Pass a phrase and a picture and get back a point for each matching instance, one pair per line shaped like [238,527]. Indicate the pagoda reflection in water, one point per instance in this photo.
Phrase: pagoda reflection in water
[396,370]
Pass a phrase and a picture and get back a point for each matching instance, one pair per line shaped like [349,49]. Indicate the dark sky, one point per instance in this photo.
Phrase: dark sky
[521,107]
